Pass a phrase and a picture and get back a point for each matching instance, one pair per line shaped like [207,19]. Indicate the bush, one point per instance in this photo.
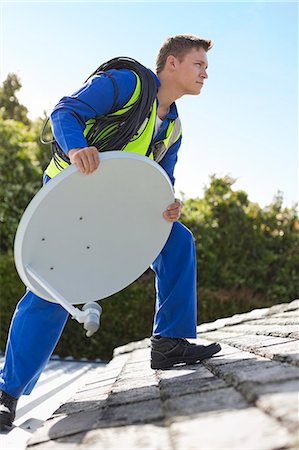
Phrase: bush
[12,289]
[242,246]
[20,178]
[127,316]
[215,304]
[247,257]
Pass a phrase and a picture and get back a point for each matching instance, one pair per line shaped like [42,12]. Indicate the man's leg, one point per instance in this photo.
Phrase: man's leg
[34,332]
[175,270]
[175,317]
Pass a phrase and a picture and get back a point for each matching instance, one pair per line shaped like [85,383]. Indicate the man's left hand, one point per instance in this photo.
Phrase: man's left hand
[173,212]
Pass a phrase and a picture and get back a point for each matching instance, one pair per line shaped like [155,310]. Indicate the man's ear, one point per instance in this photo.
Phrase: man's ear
[171,62]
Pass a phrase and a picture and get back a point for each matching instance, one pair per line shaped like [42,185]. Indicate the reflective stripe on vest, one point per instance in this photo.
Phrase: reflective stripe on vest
[141,142]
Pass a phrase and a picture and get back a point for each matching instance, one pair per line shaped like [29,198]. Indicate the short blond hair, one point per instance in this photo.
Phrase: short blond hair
[179,46]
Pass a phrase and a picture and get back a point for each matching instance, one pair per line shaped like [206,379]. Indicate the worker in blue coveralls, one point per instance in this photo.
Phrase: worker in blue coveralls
[181,69]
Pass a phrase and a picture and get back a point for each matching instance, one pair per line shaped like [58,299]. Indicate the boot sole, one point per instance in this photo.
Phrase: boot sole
[170,362]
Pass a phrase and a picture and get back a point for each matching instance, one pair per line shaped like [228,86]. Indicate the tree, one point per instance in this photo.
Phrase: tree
[248,256]
[10,105]
[20,177]
[241,246]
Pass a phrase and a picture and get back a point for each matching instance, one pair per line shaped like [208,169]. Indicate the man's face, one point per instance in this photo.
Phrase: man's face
[191,72]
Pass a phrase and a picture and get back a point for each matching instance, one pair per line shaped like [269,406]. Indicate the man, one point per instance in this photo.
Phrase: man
[37,324]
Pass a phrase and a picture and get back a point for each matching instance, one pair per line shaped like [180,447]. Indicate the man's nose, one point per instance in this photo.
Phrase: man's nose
[204,74]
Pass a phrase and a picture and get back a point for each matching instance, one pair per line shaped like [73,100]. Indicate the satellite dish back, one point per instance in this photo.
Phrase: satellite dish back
[89,236]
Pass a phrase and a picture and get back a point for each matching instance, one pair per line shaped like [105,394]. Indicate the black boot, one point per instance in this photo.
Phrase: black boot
[8,406]
[169,351]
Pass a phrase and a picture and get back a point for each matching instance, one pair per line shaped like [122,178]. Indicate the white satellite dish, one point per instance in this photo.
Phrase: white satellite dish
[83,237]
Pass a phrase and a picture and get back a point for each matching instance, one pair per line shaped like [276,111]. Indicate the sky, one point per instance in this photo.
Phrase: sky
[245,121]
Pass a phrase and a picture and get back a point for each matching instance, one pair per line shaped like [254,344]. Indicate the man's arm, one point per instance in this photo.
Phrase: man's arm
[173,212]
[94,99]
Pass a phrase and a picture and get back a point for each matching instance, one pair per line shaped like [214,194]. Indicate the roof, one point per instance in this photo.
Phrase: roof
[246,397]
[59,380]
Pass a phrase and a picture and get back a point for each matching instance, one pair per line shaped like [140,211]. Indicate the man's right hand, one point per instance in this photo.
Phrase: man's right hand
[87,159]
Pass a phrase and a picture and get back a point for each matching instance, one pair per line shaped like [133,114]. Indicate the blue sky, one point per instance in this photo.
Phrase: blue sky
[245,121]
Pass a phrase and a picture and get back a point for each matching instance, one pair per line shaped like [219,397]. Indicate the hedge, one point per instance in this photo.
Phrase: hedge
[248,257]
[127,316]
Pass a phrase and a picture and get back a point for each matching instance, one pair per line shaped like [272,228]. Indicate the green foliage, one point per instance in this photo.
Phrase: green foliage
[10,106]
[11,290]
[20,177]
[242,246]
[127,316]
[22,160]
[248,257]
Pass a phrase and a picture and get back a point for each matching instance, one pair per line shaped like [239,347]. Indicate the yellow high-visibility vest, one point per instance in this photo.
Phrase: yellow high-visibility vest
[140,143]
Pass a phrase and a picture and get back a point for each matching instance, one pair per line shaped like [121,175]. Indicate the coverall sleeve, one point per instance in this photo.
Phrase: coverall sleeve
[170,159]
[94,99]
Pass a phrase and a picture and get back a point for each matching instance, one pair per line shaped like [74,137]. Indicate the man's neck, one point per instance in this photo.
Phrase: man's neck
[167,94]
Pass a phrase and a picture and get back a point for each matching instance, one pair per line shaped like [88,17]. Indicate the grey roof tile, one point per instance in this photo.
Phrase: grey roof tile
[242,429]
[244,398]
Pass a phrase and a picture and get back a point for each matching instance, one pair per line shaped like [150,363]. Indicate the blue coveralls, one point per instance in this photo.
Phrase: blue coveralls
[37,324]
